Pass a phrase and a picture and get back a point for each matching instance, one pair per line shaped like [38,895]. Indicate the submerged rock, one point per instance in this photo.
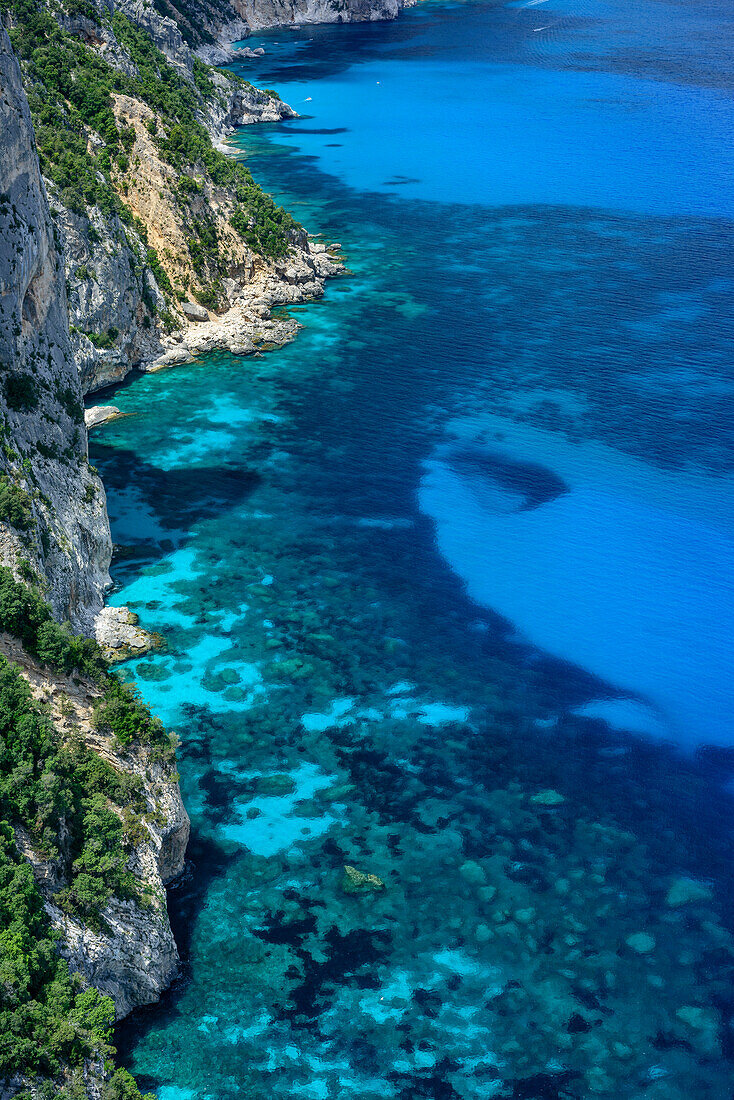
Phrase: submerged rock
[358,882]
[642,943]
[547,798]
[686,890]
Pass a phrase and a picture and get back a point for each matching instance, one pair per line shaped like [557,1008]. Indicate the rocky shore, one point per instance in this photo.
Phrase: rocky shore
[133,243]
[248,326]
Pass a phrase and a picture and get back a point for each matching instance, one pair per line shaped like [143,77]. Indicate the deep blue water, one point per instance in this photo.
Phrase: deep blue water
[447,582]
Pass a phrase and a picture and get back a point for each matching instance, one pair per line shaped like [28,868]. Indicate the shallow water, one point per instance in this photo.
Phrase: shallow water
[447,582]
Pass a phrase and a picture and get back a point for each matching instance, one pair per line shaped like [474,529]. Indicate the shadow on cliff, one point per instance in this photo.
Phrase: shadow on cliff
[153,510]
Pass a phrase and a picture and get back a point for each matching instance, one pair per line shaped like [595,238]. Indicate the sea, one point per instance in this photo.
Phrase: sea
[447,583]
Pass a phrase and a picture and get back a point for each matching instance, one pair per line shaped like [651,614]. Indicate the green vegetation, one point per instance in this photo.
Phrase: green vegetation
[186,145]
[104,339]
[51,789]
[49,1023]
[69,91]
[70,403]
[15,505]
[26,615]
[202,80]
[21,392]
[70,88]
[81,814]
[46,1019]
[124,712]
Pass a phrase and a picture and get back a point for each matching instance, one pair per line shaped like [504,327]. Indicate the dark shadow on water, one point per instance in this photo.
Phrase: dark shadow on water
[205,862]
[178,498]
[320,129]
[536,484]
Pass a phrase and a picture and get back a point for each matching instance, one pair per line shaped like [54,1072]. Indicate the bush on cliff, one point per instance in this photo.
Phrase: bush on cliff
[25,614]
[62,797]
[74,809]
[15,505]
[124,712]
[47,1020]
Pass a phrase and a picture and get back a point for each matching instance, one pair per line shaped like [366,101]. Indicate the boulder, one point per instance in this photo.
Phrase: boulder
[100,414]
[194,312]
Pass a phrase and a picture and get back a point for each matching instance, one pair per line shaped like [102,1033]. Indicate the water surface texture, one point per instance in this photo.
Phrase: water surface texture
[447,583]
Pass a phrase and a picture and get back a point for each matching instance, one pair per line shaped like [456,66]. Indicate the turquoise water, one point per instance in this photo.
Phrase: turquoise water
[446,583]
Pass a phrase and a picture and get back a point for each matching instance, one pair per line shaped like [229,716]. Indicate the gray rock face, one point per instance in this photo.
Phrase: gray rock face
[241,104]
[100,414]
[53,522]
[110,292]
[114,301]
[210,25]
[194,312]
[259,14]
[135,957]
[132,956]
[54,516]
[164,31]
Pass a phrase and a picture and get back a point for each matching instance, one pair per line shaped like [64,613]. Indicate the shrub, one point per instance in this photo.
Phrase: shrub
[21,392]
[25,614]
[126,715]
[15,505]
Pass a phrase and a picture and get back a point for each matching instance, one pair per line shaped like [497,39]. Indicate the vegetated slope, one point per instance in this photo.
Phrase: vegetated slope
[91,821]
[150,213]
[91,827]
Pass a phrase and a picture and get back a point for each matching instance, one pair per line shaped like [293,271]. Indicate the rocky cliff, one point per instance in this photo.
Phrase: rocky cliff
[127,238]
[88,788]
[53,518]
[210,26]
[259,14]
[150,213]
[128,951]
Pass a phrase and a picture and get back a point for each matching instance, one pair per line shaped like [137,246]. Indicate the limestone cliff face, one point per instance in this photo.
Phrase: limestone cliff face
[120,317]
[210,25]
[130,954]
[52,505]
[252,283]
[54,526]
[110,289]
[125,309]
[259,14]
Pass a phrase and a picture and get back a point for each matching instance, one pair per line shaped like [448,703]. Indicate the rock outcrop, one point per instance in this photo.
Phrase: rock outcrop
[210,25]
[54,530]
[130,953]
[53,517]
[259,14]
[163,226]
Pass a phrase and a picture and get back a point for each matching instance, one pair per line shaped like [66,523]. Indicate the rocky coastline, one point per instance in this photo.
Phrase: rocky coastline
[135,248]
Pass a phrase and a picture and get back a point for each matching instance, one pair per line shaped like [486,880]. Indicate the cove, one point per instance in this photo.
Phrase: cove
[445,583]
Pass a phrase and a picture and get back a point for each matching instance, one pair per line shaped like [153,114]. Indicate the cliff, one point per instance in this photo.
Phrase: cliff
[259,14]
[127,951]
[210,25]
[53,518]
[91,821]
[152,217]
[127,238]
